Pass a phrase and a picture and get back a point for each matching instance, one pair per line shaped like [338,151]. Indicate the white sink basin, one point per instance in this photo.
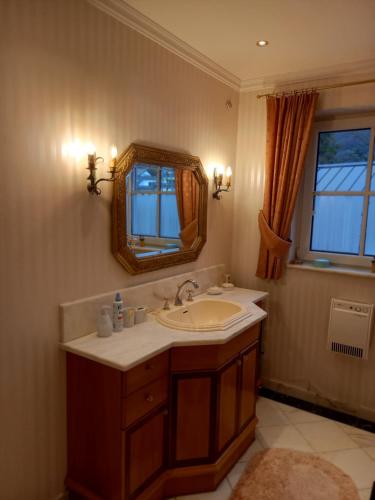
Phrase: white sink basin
[204,315]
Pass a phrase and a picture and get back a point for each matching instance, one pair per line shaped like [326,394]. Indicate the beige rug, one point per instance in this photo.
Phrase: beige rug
[280,474]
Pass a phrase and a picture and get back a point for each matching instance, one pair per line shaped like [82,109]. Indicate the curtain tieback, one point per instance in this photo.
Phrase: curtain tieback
[272,241]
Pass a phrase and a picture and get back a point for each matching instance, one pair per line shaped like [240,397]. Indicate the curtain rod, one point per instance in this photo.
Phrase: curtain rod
[312,89]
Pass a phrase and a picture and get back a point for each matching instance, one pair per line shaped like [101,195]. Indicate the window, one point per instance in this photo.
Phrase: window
[338,198]
[153,205]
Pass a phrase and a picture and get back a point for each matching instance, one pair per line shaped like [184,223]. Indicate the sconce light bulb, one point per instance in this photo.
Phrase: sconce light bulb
[229,172]
[90,148]
[113,152]
[220,169]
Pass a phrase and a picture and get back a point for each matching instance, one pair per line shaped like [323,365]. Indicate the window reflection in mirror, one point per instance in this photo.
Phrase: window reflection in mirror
[162,209]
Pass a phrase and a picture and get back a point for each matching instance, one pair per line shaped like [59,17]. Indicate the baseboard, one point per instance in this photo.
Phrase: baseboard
[361,417]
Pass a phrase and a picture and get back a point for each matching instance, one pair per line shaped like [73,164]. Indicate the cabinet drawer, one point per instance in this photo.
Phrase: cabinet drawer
[145,373]
[144,400]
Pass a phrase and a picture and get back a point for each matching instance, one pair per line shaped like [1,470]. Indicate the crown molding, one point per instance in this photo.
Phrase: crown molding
[131,17]
[338,73]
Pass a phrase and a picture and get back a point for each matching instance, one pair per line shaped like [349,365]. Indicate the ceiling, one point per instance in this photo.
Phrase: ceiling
[305,36]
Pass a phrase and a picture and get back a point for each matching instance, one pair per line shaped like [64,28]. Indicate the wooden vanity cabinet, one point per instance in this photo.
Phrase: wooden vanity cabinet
[170,426]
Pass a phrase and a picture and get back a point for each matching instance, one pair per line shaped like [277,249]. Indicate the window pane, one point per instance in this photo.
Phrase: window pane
[169,221]
[168,182]
[370,233]
[337,224]
[145,177]
[144,209]
[342,160]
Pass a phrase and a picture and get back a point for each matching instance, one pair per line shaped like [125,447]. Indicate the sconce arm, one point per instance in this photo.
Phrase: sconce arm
[216,194]
[221,187]
[92,185]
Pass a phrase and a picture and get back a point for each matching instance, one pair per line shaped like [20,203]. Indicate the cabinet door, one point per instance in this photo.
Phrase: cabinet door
[227,394]
[247,386]
[191,440]
[146,448]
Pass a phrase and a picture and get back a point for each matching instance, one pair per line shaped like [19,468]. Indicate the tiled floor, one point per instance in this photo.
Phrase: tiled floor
[282,426]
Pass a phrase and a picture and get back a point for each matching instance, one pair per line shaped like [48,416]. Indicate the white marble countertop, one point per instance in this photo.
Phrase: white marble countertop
[126,349]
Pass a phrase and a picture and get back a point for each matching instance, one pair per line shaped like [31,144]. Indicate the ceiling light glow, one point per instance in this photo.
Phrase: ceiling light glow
[262,43]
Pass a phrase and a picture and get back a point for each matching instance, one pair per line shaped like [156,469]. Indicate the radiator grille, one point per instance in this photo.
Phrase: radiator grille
[349,350]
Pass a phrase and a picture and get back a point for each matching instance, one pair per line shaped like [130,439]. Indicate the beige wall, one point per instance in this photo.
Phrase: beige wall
[70,71]
[296,360]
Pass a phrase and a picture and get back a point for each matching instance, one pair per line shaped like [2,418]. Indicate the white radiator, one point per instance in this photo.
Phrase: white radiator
[350,328]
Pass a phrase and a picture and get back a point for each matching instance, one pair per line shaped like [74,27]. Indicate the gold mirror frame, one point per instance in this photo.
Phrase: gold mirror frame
[145,154]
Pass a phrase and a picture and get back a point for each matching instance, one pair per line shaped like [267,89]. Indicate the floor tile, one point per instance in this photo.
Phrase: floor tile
[283,436]
[268,414]
[250,452]
[361,437]
[356,463]
[371,452]
[303,417]
[281,406]
[235,474]
[223,492]
[364,494]
[325,436]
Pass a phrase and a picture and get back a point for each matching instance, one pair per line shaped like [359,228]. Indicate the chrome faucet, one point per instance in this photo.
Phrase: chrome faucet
[177,300]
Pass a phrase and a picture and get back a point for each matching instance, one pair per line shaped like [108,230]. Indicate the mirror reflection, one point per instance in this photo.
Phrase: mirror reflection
[161,209]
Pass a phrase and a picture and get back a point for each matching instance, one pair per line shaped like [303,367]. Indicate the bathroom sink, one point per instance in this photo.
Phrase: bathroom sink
[204,315]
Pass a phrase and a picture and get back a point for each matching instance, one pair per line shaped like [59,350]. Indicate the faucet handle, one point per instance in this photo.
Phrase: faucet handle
[166,306]
[189,292]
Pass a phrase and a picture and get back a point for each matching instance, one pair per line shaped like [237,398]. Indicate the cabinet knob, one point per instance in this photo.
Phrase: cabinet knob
[148,366]
[149,398]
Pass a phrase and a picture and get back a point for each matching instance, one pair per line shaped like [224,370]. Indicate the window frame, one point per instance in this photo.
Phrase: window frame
[158,192]
[308,193]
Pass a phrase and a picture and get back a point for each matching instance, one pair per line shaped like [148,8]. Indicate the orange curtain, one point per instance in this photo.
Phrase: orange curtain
[187,205]
[289,124]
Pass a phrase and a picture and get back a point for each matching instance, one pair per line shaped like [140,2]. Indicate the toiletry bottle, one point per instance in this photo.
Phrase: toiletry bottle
[118,313]
[104,323]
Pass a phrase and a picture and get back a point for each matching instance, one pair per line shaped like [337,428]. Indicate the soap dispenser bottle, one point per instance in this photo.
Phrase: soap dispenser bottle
[104,322]
[118,313]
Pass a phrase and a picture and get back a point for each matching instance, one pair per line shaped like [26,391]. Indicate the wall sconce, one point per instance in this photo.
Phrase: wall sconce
[92,185]
[220,186]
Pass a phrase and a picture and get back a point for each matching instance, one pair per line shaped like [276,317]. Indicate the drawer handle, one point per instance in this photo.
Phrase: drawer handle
[149,398]
[148,366]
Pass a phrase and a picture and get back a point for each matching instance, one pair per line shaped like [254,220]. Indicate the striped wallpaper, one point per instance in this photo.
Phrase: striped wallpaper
[296,360]
[70,71]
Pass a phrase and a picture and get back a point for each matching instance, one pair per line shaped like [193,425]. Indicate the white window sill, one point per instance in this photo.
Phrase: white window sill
[358,272]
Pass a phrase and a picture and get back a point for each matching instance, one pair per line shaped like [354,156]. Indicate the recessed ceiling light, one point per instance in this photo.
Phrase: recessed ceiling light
[262,43]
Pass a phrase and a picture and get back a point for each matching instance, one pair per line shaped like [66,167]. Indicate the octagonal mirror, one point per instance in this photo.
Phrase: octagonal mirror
[159,213]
